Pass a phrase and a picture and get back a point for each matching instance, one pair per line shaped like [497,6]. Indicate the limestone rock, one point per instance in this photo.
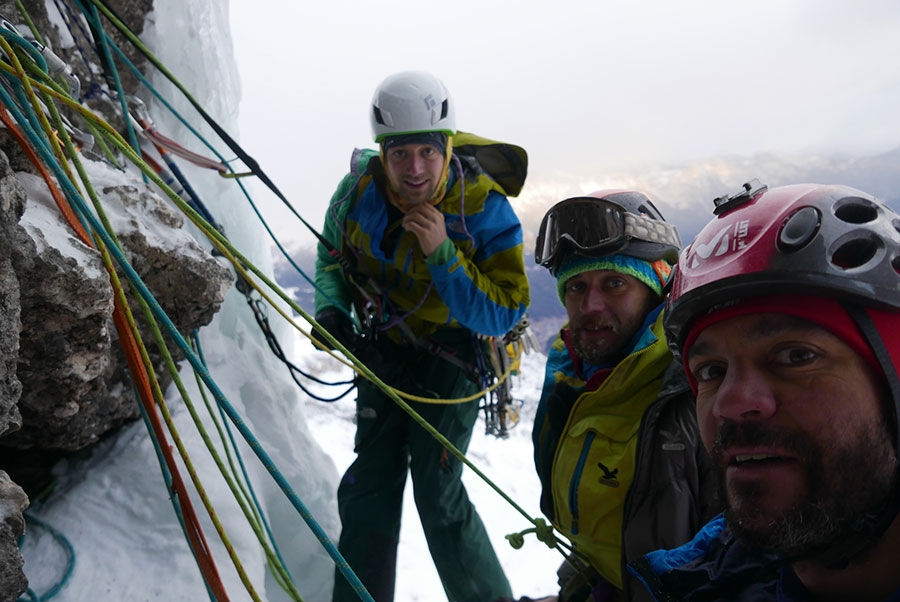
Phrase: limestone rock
[64,383]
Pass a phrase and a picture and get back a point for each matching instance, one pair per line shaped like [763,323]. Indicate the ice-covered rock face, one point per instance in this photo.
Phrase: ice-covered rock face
[75,386]
[64,382]
[13,502]
[12,204]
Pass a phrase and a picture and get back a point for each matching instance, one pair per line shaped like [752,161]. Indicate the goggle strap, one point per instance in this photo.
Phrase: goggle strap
[651,230]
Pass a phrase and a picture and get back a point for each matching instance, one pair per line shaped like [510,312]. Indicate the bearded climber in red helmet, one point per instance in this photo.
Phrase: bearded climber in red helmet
[617,448]
[785,312]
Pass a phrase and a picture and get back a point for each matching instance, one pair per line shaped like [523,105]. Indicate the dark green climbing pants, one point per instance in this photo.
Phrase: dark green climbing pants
[388,444]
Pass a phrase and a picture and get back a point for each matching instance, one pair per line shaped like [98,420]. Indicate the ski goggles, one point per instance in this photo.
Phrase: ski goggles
[596,227]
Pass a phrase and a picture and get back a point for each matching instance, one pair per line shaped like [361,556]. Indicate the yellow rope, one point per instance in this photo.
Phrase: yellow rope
[173,370]
[243,266]
[54,137]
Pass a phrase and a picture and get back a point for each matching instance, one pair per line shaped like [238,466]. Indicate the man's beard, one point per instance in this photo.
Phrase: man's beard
[621,333]
[861,475]
[596,352]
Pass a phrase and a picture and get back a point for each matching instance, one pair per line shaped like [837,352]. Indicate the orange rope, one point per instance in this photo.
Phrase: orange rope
[139,373]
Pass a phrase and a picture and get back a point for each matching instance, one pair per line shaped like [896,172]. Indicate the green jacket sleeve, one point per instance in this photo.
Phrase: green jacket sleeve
[332,288]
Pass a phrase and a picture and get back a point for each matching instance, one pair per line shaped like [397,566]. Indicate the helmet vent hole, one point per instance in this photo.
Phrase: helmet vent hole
[799,229]
[895,263]
[378,117]
[445,109]
[855,253]
[856,211]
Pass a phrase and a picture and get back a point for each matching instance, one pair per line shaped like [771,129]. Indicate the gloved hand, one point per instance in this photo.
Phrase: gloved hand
[376,360]
[339,325]
[390,362]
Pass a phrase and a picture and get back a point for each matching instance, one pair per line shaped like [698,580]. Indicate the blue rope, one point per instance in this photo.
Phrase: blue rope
[80,206]
[225,161]
[167,477]
[67,186]
[93,16]
[196,338]
[27,46]
[71,193]
[70,562]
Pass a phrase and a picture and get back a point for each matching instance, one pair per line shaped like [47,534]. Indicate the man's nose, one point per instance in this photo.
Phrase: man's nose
[745,394]
[594,299]
[416,163]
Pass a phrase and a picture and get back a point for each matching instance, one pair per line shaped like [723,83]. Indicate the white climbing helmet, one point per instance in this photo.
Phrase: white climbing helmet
[411,102]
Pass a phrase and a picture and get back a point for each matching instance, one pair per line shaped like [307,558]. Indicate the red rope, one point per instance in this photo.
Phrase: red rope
[141,378]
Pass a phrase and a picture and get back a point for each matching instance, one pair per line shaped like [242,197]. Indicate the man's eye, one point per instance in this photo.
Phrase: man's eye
[708,372]
[574,287]
[795,355]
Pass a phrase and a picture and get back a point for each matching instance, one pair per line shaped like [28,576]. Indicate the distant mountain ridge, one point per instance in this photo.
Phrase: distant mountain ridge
[683,193]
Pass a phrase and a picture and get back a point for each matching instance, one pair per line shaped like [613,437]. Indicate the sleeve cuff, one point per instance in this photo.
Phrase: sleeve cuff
[445,253]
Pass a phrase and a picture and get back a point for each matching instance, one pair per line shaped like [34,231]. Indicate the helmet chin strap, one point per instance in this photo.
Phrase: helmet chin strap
[870,331]
[869,529]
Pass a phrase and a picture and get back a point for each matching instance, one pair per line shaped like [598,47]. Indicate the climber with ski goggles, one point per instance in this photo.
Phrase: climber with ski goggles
[597,227]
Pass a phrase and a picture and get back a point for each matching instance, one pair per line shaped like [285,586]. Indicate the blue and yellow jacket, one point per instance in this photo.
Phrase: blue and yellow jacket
[619,456]
[474,280]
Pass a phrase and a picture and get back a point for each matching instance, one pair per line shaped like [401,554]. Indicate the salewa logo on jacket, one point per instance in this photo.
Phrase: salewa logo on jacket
[671,441]
[610,478]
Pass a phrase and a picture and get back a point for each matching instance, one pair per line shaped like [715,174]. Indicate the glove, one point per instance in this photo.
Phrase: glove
[389,362]
[339,325]
[376,360]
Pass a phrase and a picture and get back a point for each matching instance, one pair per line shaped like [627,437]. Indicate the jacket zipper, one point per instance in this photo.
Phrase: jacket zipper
[576,480]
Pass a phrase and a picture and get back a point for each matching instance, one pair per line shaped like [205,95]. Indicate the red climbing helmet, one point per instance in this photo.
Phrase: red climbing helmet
[807,240]
[830,241]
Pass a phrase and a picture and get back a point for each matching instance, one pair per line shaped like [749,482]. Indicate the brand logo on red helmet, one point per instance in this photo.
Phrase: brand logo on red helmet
[730,238]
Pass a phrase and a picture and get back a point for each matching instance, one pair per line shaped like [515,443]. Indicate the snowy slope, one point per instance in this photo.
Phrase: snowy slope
[507,462]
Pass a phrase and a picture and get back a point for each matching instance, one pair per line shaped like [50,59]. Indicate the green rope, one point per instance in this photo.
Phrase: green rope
[27,17]
[173,370]
[278,566]
[78,207]
[150,306]
[141,289]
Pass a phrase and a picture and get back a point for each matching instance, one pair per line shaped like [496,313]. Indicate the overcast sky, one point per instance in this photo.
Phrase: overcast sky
[588,88]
